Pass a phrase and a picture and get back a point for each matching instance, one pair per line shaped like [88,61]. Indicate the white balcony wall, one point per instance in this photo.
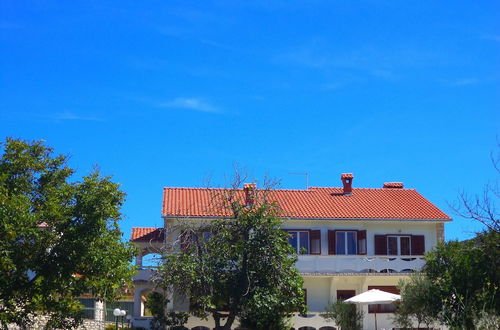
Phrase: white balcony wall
[355,264]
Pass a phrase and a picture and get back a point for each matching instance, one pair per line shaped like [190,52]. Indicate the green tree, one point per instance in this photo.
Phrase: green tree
[460,284]
[346,316]
[157,304]
[420,304]
[466,276]
[244,270]
[58,239]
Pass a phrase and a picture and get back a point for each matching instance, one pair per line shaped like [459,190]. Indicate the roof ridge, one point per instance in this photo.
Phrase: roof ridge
[286,189]
[199,188]
[365,188]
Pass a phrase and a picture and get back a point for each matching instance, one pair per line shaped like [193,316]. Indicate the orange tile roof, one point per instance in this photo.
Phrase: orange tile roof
[314,203]
[147,234]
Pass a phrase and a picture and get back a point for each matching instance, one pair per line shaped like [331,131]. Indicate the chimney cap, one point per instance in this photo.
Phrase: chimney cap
[346,176]
[393,185]
[249,186]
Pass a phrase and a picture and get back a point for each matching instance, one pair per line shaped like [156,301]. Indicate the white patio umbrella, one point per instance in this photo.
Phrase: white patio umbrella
[374,296]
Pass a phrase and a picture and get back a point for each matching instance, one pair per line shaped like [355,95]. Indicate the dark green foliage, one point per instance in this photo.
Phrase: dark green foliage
[157,305]
[58,239]
[346,316]
[245,270]
[460,284]
[420,304]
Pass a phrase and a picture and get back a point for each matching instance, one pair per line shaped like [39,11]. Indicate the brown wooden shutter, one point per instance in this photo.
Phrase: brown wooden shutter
[331,241]
[361,241]
[315,235]
[381,245]
[417,245]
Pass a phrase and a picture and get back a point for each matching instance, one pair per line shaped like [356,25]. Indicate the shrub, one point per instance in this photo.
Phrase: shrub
[345,315]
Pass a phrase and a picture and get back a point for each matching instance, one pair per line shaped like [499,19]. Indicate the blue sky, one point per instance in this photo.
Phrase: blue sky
[174,93]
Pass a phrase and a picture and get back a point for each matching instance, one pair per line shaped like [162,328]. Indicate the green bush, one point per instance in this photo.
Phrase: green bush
[157,304]
[345,315]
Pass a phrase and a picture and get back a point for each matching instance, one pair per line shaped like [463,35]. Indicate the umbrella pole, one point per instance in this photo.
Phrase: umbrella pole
[376,319]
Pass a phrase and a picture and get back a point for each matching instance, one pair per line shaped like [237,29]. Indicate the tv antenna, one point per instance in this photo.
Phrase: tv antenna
[304,174]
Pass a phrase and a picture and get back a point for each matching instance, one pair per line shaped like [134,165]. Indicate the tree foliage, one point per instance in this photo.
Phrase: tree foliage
[460,285]
[157,305]
[420,304]
[346,316]
[58,239]
[244,270]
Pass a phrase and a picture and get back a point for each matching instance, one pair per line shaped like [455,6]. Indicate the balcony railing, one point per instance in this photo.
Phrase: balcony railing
[145,273]
[359,264]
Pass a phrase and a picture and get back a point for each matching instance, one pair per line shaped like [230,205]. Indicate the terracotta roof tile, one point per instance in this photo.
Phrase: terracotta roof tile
[314,203]
[147,234]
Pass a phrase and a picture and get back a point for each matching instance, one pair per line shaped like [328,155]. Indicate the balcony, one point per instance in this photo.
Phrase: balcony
[144,274]
[359,264]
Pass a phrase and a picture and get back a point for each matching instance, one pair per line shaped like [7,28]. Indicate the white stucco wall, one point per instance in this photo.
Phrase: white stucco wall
[372,227]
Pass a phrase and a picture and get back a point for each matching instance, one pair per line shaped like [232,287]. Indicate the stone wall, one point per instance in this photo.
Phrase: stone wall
[87,324]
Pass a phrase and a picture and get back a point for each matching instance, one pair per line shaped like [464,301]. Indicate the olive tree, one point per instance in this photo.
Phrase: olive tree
[243,270]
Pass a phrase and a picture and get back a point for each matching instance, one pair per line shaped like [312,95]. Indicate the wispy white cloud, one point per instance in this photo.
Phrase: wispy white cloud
[68,115]
[464,82]
[191,103]
[378,62]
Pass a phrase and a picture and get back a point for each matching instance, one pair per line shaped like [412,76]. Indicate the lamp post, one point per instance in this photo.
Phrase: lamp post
[117,312]
[123,313]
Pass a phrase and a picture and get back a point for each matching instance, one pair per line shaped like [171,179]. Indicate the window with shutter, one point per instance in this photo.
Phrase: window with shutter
[398,245]
[381,245]
[383,308]
[345,294]
[361,241]
[346,242]
[315,236]
[417,245]
[299,239]
[331,242]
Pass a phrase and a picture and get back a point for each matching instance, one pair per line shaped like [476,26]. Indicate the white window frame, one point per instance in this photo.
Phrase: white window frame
[298,240]
[398,240]
[346,242]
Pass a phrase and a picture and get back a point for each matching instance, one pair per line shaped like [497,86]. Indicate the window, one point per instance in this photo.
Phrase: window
[398,245]
[383,308]
[345,294]
[346,242]
[305,241]
[300,241]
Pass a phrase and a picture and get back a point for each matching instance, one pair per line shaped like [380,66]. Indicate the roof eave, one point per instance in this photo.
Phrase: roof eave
[314,219]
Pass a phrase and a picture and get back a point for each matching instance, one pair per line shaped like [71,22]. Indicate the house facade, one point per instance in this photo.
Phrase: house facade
[348,240]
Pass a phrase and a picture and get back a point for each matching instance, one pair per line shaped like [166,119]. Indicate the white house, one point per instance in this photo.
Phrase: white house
[354,239]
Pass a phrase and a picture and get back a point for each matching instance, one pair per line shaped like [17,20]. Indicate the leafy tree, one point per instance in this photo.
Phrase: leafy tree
[244,270]
[465,275]
[460,285]
[157,304]
[420,303]
[345,315]
[58,239]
